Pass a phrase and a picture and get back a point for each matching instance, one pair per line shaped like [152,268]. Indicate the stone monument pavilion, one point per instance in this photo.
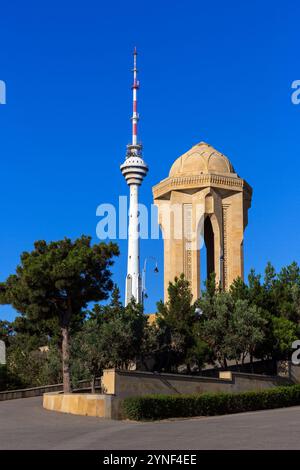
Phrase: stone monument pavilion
[203,204]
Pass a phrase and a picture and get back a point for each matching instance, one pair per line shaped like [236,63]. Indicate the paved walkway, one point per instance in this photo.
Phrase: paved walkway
[24,424]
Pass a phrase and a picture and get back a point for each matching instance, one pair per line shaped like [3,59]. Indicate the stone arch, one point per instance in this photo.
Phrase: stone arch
[212,243]
[209,241]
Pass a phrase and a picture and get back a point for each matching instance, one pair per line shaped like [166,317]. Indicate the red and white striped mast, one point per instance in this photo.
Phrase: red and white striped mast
[134,169]
[135,87]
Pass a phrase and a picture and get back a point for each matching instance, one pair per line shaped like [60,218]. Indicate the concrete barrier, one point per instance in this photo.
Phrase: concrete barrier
[80,404]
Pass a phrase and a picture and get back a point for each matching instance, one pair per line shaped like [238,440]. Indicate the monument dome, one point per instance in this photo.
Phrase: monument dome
[202,158]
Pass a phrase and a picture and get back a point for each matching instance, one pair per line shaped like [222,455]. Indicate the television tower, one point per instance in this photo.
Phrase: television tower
[134,169]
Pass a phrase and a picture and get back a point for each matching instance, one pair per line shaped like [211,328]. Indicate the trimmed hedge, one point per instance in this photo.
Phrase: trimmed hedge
[3,376]
[152,407]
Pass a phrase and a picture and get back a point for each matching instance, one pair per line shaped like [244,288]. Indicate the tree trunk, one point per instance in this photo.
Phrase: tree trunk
[251,362]
[93,383]
[66,359]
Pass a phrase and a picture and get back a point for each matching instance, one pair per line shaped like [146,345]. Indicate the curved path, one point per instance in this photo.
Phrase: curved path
[24,424]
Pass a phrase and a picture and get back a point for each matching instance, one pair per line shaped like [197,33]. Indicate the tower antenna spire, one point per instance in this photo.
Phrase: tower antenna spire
[135,87]
[134,169]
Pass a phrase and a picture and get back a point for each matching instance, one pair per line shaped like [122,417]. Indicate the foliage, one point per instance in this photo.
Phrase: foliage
[111,337]
[43,330]
[27,367]
[176,319]
[231,327]
[122,333]
[153,407]
[200,353]
[277,296]
[88,352]
[284,333]
[245,331]
[56,281]
[6,330]
[3,377]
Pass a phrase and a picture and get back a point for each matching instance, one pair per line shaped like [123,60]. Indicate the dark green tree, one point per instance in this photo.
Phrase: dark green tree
[89,351]
[283,332]
[57,280]
[246,331]
[239,290]
[123,332]
[232,327]
[176,318]
[6,330]
[112,336]
[215,323]
[31,366]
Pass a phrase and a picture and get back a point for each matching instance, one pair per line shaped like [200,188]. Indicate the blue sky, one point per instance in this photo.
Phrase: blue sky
[214,71]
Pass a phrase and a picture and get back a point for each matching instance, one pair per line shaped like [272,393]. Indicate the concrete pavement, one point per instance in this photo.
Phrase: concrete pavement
[24,424]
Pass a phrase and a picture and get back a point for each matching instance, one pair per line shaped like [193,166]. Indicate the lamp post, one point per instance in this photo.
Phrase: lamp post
[198,313]
[144,294]
[222,271]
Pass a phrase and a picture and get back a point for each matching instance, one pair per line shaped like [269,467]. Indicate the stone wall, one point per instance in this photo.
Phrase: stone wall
[289,370]
[120,384]
[79,404]
[132,383]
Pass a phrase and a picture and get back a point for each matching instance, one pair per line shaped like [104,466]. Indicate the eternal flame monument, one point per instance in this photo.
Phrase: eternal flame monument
[203,199]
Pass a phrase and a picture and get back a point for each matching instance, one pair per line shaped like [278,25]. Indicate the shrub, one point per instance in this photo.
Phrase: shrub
[152,407]
[3,377]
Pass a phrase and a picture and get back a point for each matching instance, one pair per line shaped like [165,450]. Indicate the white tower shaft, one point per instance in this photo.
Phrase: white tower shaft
[133,279]
[134,169]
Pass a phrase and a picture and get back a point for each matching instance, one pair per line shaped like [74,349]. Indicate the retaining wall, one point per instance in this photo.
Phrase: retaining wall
[83,385]
[121,384]
[98,405]
[132,383]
